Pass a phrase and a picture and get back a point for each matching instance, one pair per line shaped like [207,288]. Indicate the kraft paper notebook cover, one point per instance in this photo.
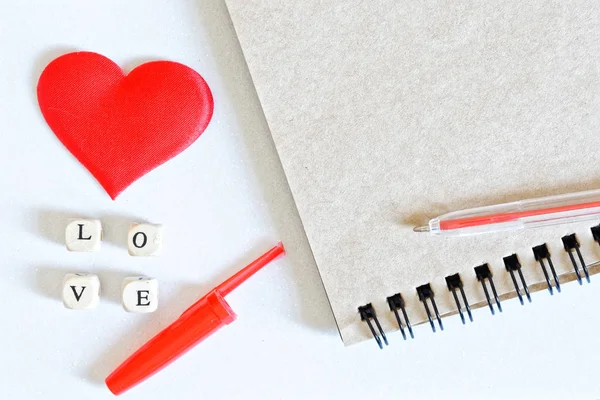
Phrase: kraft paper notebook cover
[387,113]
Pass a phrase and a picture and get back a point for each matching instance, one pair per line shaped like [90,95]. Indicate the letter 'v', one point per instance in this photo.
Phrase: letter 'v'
[77,296]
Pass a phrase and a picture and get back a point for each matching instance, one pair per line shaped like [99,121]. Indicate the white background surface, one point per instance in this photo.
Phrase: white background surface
[222,202]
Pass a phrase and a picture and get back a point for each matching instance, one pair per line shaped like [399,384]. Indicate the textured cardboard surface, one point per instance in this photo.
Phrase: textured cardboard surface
[387,113]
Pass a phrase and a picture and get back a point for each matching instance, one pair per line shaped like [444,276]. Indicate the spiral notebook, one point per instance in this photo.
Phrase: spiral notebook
[387,113]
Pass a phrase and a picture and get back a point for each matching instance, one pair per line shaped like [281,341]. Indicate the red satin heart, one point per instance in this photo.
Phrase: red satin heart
[119,126]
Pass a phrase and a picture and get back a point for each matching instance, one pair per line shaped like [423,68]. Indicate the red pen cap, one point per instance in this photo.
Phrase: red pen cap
[198,322]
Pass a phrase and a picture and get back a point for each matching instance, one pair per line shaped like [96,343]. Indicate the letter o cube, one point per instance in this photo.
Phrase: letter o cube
[140,294]
[144,239]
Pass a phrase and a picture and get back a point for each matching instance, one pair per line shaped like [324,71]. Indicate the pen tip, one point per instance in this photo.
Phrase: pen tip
[421,229]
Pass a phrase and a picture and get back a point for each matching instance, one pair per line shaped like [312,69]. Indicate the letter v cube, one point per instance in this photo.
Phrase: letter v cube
[81,291]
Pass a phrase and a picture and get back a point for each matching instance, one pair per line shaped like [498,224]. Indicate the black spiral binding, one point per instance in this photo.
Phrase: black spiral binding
[396,302]
[454,283]
[484,275]
[542,253]
[367,313]
[596,233]
[426,293]
[512,264]
[571,243]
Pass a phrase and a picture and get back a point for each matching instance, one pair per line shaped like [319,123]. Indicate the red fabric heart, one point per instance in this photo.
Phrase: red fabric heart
[119,126]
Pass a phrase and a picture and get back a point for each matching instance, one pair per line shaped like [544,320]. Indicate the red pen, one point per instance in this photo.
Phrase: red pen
[198,322]
[531,213]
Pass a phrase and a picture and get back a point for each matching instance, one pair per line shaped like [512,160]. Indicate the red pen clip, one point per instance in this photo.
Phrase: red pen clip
[196,323]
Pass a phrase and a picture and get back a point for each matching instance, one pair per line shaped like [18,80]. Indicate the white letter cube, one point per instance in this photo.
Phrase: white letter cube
[83,235]
[144,239]
[140,294]
[81,291]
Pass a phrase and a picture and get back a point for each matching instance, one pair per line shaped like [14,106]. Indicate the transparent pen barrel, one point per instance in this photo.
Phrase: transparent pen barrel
[543,211]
